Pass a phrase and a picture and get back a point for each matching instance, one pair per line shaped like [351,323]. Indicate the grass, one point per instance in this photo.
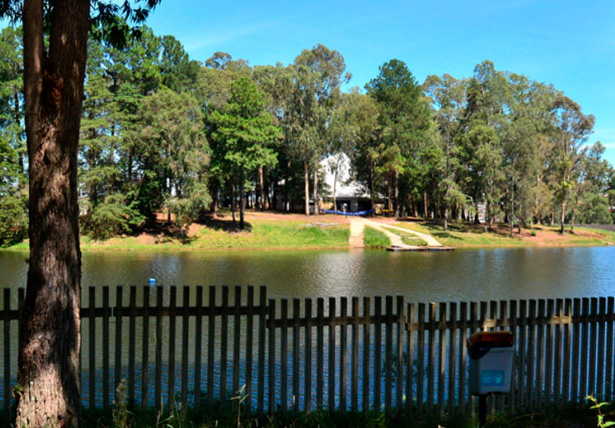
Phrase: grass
[570,416]
[408,238]
[216,235]
[465,235]
[373,238]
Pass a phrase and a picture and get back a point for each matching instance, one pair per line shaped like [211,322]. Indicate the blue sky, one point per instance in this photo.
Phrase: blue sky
[570,44]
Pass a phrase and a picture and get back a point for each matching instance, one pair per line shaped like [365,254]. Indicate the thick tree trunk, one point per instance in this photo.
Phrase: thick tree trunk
[306,181]
[50,339]
[316,191]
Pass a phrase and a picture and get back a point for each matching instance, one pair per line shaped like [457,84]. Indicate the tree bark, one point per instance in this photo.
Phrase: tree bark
[50,339]
[396,195]
[306,180]
[261,185]
[316,191]
[242,198]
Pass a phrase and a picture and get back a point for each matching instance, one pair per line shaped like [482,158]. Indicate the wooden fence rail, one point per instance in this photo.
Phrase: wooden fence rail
[173,346]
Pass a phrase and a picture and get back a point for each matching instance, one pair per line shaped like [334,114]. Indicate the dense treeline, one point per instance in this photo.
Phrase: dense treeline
[163,133]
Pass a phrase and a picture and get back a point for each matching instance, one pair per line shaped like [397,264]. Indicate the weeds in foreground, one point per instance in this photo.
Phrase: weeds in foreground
[598,406]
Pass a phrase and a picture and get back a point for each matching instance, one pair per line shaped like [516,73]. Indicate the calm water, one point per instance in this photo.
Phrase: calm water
[440,276]
[483,274]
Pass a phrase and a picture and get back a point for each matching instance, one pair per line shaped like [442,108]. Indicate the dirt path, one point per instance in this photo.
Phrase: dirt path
[357,225]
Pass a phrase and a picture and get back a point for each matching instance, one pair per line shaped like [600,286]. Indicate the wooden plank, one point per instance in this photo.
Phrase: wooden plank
[512,397]
[463,335]
[420,361]
[320,350]
[172,346]
[284,356]
[601,349]
[6,325]
[377,352]
[296,356]
[531,351]
[609,350]
[224,348]
[185,347]
[132,346]
[593,348]
[198,349]
[249,351]
[343,406]
[399,354]
[549,351]
[367,346]
[119,314]
[540,353]
[262,332]
[272,368]
[92,349]
[211,348]
[502,323]
[106,338]
[585,347]
[354,382]
[473,324]
[145,351]
[158,352]
[331,354]
[308,358]
[236,342]
[410,343]
[558,355]
[431,359]
[452,354]
[388,354]
[576,342]
[566,362]
[442,316]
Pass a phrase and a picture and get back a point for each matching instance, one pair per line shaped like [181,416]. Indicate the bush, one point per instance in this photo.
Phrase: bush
[110,218]
[13,220]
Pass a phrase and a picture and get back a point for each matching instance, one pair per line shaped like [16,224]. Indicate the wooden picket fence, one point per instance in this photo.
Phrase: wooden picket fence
[204,348]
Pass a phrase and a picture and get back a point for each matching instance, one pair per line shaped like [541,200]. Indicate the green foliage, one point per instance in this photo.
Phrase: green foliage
[111,217]
[602,423]
[13,220]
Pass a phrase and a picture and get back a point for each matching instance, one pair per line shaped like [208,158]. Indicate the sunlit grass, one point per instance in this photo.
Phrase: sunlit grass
[373,238]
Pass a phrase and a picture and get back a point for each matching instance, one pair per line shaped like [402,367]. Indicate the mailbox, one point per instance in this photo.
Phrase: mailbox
[491,362]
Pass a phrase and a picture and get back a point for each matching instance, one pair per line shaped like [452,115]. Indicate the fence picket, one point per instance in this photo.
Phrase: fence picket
[382,358]
[172,344]
[211,347]
[185,333]
[198,348]
[6,325]
[320,351]
[158,346]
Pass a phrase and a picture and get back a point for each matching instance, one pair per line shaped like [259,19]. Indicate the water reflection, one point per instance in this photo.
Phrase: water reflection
[482,274]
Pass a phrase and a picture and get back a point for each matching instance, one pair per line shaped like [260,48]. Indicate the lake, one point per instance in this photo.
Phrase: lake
[476,274]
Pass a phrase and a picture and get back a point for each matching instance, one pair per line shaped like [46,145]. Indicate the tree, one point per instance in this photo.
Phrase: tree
[571,130]
[404,117]
[448,97]
[317,78]
[245,132]
[54,72]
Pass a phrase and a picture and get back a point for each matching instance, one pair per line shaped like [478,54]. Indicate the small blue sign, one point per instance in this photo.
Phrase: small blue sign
[492,377]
